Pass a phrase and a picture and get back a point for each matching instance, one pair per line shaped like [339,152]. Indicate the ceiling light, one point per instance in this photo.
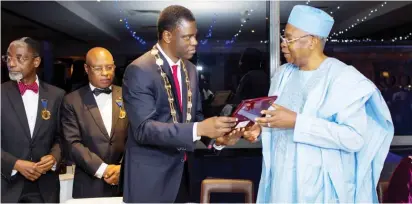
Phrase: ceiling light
[253,31]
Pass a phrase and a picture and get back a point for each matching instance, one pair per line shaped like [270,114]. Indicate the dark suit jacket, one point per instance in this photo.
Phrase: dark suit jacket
[16,142]
[155,149]
[89,143]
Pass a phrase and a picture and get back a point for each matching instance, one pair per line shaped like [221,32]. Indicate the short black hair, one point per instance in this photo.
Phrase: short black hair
[170,17]
[34,45]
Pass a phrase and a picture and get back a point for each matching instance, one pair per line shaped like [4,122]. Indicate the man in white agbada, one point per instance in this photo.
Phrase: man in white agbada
[327,136]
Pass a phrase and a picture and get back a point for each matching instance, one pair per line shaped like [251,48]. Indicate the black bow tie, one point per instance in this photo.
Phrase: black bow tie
[97,91]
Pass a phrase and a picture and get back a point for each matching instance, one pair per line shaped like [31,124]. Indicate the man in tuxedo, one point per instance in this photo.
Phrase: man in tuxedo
[163,102]
[30,139]
[94,126]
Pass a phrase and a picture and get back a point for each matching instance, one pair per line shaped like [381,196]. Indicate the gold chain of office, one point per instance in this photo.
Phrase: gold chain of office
[168,87]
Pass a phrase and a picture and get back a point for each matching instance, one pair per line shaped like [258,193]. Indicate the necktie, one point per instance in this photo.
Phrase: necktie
[177,84]
[24,87]
[98,91]
[176,79]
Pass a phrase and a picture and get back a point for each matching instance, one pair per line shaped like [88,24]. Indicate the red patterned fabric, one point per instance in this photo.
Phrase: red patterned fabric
[177,84]
[24,87]
[176,79]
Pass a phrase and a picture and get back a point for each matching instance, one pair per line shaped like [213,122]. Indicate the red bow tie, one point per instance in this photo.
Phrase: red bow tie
[23,87]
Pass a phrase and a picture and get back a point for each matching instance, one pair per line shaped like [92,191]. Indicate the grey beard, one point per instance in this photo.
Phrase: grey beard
[15,76]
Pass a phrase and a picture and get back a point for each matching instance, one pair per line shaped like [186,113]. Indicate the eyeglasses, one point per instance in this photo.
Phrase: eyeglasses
[290,42]
[20,59]
[99,69]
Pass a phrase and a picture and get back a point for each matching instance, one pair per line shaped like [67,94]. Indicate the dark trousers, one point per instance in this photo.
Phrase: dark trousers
[31,193]
[183,194]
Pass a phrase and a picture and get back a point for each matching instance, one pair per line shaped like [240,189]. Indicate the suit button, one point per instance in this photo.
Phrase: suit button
[110,143]
[182,160]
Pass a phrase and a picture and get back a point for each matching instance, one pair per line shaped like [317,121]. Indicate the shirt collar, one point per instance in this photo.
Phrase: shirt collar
[93,87]
[37,80]
[169,61]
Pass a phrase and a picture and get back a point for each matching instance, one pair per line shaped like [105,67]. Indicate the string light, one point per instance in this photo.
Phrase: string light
[334,11]
[210,31]
[354,24]
[405,37]
[243,22]
[127,26]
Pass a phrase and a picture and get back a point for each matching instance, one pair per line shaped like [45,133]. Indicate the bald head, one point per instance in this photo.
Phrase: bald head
[100,67]
[97,54]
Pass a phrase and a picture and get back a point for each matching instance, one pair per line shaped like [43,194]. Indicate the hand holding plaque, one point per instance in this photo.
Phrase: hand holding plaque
[250,109]
[278,117]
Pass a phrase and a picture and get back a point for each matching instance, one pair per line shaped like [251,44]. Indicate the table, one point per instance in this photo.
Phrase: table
[66,190]
[108,200]
[66,184]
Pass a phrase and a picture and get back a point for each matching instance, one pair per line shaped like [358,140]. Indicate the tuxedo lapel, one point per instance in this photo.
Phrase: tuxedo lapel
[18,106]
[116,94]
[90,102]
[43,94]
[166,68]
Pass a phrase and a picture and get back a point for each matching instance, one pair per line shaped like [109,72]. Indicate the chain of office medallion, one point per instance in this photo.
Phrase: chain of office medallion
[168,88]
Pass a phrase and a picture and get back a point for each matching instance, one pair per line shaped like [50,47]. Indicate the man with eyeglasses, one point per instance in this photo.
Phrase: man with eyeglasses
[94,126]
[30,130]
[327,137]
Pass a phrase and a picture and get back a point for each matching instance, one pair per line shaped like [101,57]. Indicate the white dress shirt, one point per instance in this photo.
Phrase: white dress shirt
[171,63]
[31,102]
[104,103]
[179,76]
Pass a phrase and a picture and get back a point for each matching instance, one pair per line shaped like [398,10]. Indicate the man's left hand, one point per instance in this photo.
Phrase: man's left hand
[279,118]
[46,163]
[112,175]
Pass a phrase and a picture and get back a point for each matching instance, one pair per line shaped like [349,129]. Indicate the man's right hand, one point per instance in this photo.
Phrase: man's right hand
[215,127]
[28,169]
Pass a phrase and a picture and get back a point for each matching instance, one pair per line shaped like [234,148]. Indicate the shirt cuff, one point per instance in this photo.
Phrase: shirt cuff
[195,136]
[54,167]
[99,173]
[218,147]
[13,172]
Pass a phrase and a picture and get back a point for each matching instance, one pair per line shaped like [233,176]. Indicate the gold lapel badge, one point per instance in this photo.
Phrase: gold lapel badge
[45,114]
[122,113]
